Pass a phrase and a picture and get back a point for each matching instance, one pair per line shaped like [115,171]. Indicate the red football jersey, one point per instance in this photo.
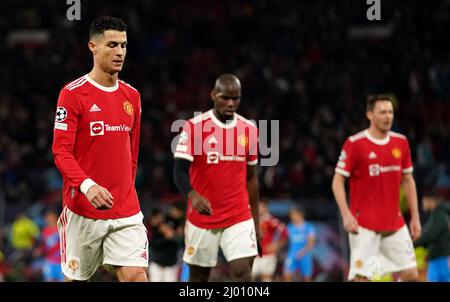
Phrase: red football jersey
[272,230]
[375,168]
[219,154]
[96,136]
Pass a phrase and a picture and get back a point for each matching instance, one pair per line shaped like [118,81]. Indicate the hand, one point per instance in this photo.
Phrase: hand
[200,203]
[300,254]
[415,228]
[350,223]
[100,197]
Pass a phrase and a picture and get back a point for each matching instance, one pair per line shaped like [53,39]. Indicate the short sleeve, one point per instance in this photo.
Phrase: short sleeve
[346,159]
[407,166]
[184,145]
[252,156]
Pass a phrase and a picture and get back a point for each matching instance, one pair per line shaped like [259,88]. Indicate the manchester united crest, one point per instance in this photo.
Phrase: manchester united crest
[73,264]
[243,140]
[396,153]
[190,251]
[128,107]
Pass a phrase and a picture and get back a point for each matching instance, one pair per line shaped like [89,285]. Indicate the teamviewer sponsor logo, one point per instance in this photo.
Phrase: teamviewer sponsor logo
[97,128]
[212,157]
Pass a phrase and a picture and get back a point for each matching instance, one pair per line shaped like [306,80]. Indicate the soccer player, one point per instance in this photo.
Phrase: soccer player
[377,162]
[95,147]
[436,237]
[302,237]
[51,248]
[215,168]
[273,239]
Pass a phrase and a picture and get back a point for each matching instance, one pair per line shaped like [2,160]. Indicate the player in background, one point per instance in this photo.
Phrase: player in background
[377,161]
[95,147]
[302,237]
[215,169]
[273,239]
[436,238]
[49,248]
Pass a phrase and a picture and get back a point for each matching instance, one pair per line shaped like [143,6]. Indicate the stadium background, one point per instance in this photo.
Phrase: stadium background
[308,64]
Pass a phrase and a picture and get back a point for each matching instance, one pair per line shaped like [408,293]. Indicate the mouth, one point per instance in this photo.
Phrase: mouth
[118,62]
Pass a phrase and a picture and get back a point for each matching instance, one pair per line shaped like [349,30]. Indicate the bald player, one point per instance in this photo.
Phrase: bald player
[215,169]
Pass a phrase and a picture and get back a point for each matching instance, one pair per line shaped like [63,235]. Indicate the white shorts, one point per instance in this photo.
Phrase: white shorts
[264,265]
[202,245]
[88,243]
[373,255]
[160,273]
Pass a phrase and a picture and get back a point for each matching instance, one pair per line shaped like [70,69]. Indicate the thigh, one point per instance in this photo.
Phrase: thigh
[432,271]
[126,245]
[81,244]
[290,265]
[202,246]
[264,265]
[364,249]
[398,251]
[239,241]
[306,266]
[155,272]
[170,273]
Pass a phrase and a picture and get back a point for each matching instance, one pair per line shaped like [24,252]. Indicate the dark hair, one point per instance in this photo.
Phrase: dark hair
[373,98]
[100,25]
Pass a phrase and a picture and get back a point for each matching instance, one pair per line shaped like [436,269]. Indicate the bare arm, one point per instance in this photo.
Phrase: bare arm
[409,185]
[309,246]
[253,193]
[338,187]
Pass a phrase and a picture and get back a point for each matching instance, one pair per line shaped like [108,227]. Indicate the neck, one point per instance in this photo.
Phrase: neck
[219,117]
[102,77]
[377,133]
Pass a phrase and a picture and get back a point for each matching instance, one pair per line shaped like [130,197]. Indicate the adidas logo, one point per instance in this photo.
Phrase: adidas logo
[372,155]
[212,140]
[94,108]
[144,255]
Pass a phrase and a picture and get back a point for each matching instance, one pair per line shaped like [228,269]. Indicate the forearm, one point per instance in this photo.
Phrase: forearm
[253,193]
[409,185]
[69,168]
[338,187]
[181,176]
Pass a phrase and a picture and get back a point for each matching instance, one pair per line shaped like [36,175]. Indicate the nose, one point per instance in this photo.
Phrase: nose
[230,103]
[119,51]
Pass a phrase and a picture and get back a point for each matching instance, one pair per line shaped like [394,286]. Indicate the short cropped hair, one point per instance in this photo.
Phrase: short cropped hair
[374,98]
[102,24]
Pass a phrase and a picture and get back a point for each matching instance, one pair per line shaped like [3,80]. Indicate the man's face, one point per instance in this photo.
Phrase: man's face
[428,203]
[382,115]
[296,216]
[226,101]
[110,50]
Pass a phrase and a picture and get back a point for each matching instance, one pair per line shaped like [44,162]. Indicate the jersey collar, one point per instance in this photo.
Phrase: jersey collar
[101,87]
[216,121]
[380,142]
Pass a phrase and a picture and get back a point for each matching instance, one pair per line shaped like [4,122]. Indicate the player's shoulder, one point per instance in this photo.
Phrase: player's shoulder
[398,136]
[126,86]
[246,121]
[198,118]
[357,137]
[75,85]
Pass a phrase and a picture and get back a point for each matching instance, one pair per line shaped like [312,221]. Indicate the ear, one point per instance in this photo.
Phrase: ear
[369,115]
[92,47]
[213,95]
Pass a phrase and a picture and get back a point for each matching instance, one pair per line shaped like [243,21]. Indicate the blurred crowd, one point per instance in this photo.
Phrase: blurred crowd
[309,65]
